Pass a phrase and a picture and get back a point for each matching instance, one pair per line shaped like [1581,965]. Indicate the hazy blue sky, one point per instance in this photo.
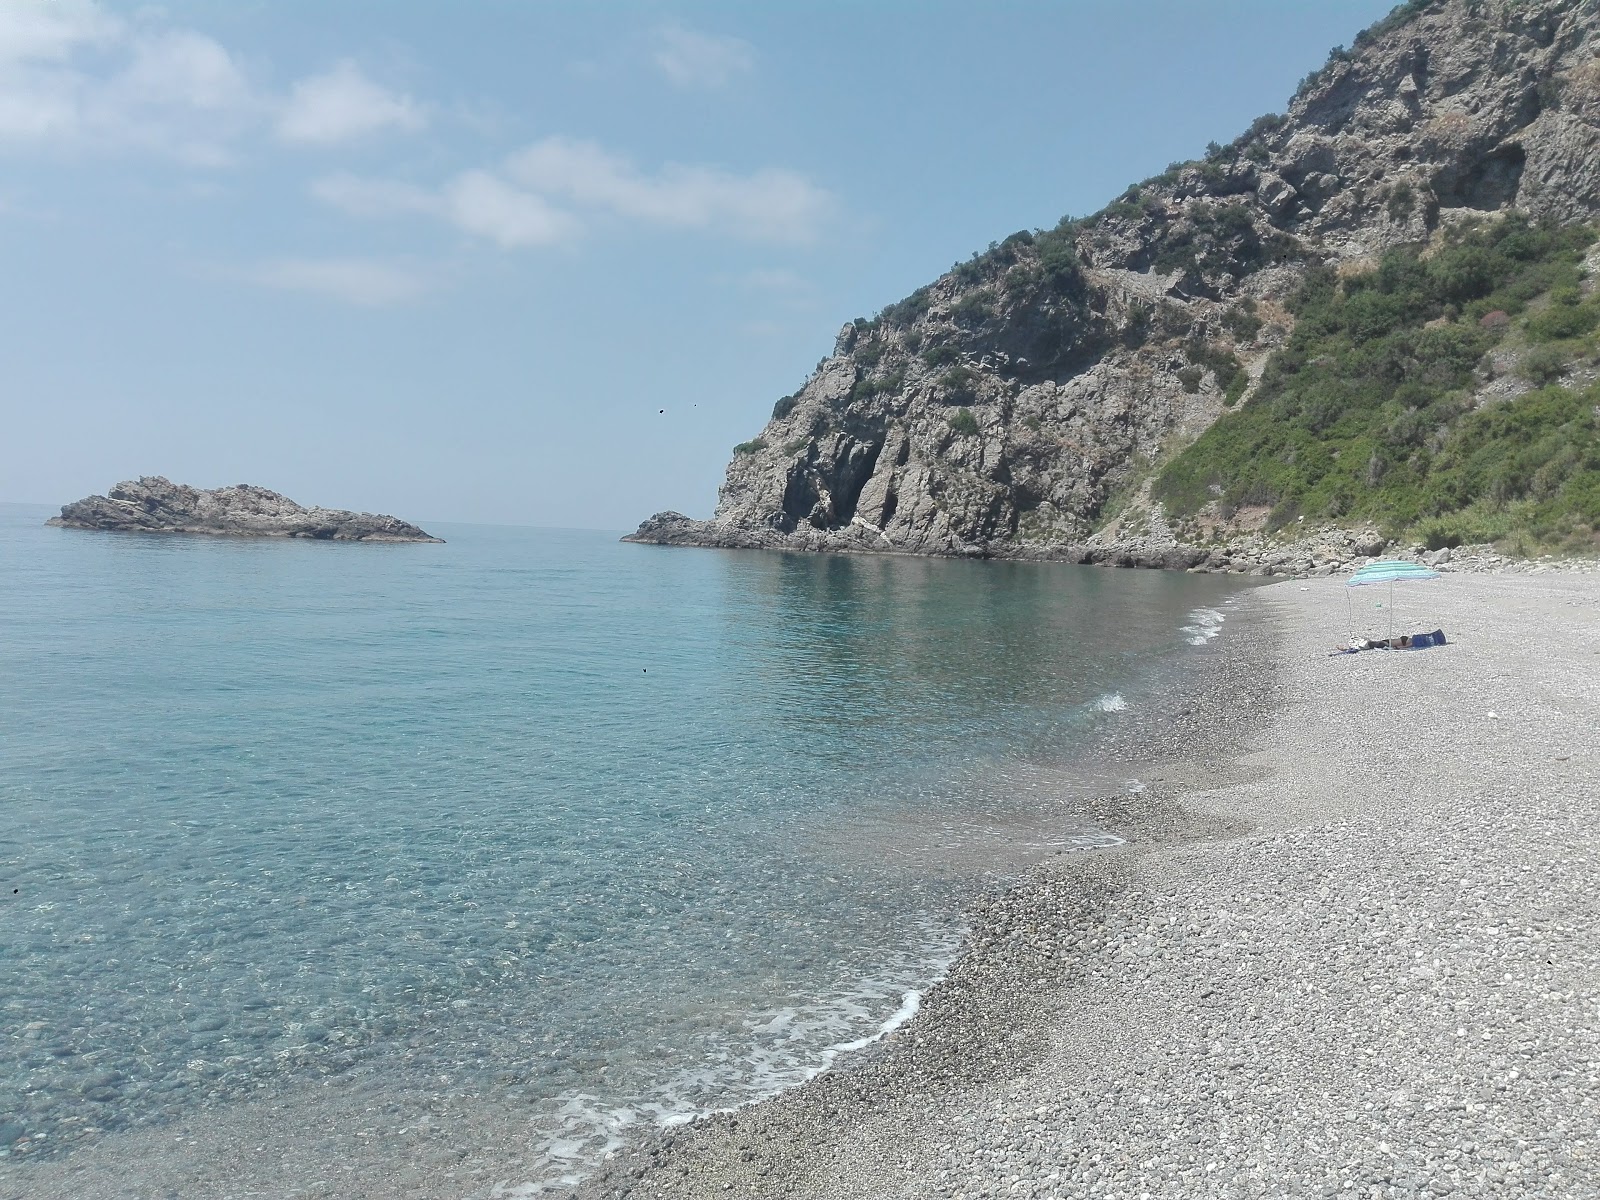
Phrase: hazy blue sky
[450,261]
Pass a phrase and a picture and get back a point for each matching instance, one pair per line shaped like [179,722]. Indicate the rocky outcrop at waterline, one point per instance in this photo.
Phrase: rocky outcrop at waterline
[153,504]
[1020,404]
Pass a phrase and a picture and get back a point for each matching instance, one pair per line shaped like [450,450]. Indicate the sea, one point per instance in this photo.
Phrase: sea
[525,842]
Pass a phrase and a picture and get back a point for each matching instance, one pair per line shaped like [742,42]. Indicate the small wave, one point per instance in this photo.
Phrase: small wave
[1084,841]
[1111,702]
[785,1047]
[910,1005]
[1205,624]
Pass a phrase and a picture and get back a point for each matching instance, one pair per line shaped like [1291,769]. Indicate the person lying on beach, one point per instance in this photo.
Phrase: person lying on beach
[1359,644]
[1405,641]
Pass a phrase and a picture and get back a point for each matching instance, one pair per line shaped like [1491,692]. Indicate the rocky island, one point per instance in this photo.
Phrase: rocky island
[153,504]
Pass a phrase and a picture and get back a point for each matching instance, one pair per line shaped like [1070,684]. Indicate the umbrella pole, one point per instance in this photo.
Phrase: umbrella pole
[1391,610]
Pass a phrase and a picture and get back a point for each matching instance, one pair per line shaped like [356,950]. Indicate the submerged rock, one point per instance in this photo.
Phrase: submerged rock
[153,504]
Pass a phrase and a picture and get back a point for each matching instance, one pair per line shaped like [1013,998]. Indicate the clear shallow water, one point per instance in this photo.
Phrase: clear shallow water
[597,833]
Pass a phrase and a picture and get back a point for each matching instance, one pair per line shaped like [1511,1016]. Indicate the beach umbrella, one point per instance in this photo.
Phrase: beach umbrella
[1390,572]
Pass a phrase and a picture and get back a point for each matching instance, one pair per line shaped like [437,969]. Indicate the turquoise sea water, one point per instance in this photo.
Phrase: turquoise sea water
[594,833]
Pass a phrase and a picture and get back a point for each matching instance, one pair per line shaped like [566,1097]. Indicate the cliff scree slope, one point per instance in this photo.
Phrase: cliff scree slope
[1025,403]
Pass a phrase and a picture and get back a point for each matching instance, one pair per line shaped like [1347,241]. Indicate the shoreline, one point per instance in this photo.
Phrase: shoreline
[318,1138]
[369,1130]
[1290,1002]
[1319,551]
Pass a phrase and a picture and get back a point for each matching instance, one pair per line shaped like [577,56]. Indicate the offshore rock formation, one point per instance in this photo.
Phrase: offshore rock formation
[153,504]
[1018,405]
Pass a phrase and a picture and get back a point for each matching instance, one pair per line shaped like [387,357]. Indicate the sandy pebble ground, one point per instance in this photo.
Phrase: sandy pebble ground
[1382,978]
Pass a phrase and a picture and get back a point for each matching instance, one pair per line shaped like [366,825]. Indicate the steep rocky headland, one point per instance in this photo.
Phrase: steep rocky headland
[152,504]
[1367,321]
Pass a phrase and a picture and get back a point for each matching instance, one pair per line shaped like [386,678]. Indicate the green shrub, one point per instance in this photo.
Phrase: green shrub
[1561,321]
[902,312]
[1136,331]
[1398,17]
[1058,259]
[1190,377]
[1364,413]
[1220,238]
[940,355]
[1241,320]
[1022,278]
[957,383]
[1401,201]
[750,447]
[1224,364]
[785,406]
[870,386]
[963,422]
[1552,88]
[1262,127]
[974,308]
[1543,364]
[794,447]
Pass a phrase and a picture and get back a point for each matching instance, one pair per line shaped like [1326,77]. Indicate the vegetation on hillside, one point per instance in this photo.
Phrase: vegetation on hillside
[1368,412]
[1028,267]
[1398,17]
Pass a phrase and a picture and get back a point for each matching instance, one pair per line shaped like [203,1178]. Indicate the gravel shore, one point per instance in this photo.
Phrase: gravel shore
[1378,976]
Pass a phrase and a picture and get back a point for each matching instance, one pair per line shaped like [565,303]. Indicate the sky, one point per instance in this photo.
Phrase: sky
[452,262]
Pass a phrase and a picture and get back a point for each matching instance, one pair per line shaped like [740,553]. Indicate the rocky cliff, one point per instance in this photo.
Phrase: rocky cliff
[1020,404]
[153,504]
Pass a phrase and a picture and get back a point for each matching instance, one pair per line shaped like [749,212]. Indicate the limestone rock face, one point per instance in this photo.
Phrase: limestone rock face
[1017,403]
[152,504]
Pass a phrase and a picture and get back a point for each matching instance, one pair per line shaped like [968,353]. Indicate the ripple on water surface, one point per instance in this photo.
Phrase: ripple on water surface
[596,834]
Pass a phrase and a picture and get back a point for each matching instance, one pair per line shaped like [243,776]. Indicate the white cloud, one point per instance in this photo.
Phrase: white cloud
[482,203]
[476,202]
[185,69]
[701,60]
[373,197]
[359,281]
[51,30]
[770,204]
[74,76]
[774,279]
[546,193]
[342,104]
[784,286]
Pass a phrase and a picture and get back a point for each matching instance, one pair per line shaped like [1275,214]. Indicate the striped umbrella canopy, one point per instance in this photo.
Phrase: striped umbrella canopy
[1391,571]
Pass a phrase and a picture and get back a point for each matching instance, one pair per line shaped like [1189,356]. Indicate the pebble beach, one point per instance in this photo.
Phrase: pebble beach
[1350,949]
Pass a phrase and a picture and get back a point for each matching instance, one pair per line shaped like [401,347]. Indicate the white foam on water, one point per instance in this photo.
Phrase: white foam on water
[1084,841]
[786,1046]
[1205,624]
[1111,702]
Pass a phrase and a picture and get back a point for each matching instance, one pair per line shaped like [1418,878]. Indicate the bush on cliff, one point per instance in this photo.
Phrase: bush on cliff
[963,422]
[1365,413]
